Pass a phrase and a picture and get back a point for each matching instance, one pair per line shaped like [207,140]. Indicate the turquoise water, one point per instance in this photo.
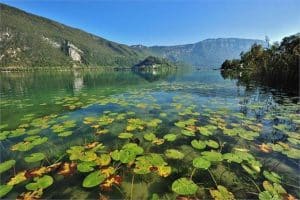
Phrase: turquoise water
[218,134]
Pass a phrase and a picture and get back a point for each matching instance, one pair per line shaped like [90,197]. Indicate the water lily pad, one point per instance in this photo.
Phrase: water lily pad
[65,134]
[115,155]
[86,166]
[147,163]
[184,186]
[272,176]
[212,156]
[3,135]
[212,144]
[103,160]
[34,157]
[125,135]
[39,141]
[5,189]
[158,141]
[232,157]
[17,132]
[201,163]
[205,131]
[149,136]
[18,178]
[127,155]
[40,183]
[221,193]
[188,133]
[170,137]
[7,165]
[164,171]
[93,179]
[198,144]
[292,153]
[174,154]
[88,156]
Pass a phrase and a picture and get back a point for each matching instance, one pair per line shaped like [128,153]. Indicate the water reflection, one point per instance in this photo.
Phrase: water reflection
[78,81]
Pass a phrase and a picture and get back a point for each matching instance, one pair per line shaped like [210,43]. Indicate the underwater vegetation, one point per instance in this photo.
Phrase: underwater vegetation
[172,140]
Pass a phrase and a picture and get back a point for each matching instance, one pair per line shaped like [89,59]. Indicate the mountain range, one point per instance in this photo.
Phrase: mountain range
[207,53]
[28,40]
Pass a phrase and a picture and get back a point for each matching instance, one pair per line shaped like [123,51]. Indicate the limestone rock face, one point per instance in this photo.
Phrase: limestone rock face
[72,51]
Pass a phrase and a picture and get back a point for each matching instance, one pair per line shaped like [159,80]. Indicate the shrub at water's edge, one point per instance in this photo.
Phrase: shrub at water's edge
[276,66]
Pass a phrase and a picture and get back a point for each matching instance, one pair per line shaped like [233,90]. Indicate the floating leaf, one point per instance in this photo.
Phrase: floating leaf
[188,133]
[174,154]
[4,189]
[212,156]
[7,165]
[170,137]
[103,160]
[31,195]
[232,157]
[34,157]
[198,144]
[201,163]
[265,148]
[164,171]
[272,176]
[88,156]
[221,193]
[40,183]
[125,135]
[158,141]
[184,186]
[108,171]
[108,183]
[65,134]
[212,144]
[205,131]
[18,178]
[115,155]
[93,179]
[86,166]
[149,136]
[67,169]
[3,135]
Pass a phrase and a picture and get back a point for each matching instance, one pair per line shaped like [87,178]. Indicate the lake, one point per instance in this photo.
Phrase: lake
[98,135]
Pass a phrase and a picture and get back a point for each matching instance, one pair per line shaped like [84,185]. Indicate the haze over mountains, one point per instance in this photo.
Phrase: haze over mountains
[206,53]
[28,40]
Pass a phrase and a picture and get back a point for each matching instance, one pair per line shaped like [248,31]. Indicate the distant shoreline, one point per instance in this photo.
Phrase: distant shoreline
[32,69]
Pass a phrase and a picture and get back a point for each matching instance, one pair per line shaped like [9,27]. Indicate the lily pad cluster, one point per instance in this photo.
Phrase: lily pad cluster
[64,129]
[29,143]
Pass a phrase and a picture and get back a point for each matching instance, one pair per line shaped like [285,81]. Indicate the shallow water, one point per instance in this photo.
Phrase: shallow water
[251,133]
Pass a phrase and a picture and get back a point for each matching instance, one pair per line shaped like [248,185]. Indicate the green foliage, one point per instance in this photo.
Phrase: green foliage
[184,186]
[93,179]
[40,183]
[35,41]
[7,165]
[277,66]
[4,189]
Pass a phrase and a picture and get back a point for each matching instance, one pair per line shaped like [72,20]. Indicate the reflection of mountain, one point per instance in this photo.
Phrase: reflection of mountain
[72,81]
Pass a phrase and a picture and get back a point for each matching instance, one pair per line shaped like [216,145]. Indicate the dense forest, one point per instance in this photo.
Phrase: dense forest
[276,66]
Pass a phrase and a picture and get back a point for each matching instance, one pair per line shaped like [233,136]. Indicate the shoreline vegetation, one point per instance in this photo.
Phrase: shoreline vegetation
[276,66]
[148,64]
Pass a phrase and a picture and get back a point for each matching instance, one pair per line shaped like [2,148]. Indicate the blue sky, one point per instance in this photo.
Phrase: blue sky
[169,22]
